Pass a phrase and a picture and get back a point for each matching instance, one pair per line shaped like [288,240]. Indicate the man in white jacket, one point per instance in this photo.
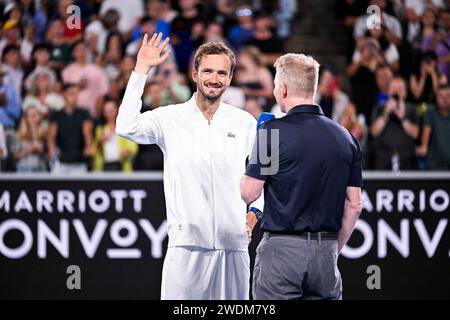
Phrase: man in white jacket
[205,144]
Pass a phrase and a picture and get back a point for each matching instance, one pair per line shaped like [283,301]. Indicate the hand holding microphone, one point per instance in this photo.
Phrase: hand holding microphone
[264,117]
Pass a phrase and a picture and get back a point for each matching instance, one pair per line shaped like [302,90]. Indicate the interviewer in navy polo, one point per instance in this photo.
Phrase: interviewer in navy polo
[312,198]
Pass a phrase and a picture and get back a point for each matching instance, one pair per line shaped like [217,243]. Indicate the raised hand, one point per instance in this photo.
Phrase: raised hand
[149,54]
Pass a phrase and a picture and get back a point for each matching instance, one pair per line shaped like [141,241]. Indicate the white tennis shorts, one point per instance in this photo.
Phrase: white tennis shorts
[193,273]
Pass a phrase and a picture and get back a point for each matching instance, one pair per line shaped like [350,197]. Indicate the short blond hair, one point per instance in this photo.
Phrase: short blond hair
[300,73]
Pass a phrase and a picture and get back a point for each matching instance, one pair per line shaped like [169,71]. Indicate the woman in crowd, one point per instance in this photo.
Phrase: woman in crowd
[29,147]
[112,153]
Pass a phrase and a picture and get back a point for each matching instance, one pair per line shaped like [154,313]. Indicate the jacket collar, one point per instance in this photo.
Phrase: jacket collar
[193,104]
[307,108]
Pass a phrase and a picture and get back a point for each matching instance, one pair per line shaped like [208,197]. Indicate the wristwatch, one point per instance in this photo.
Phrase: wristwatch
[257,212]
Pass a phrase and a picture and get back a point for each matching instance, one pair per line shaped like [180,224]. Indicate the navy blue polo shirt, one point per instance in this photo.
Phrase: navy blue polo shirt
[318,159]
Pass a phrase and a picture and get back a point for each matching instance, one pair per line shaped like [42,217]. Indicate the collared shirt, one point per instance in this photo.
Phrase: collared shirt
[318,159]
[203,164]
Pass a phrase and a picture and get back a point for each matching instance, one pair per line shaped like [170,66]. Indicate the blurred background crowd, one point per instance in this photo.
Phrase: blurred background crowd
[62,79]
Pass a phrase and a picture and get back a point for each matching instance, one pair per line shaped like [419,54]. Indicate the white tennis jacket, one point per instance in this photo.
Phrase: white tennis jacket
[203,164]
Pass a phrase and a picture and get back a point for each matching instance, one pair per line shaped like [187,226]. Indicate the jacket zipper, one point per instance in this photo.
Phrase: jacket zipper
[212,183]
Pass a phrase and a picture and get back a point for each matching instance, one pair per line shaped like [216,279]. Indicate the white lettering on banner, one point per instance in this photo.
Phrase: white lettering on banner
[118,196]
[100,201]
[23,203]
[137,196]
[82,201]
[366,203]
[430,245]
[131,234]
[433,200]
[156,237]
[104,201]
[44,199]
[44,233]
[384,200]
[422,206]
[362,250]
[60,239]
[90,245]
[67,201]
[123,241]
[405,200]
[401,242]
[24,248]
[5,201]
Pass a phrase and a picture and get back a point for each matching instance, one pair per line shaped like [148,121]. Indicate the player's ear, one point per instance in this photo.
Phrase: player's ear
[194,74]
[284,90]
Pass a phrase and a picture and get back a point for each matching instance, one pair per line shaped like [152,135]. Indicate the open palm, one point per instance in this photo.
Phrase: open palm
[149,54]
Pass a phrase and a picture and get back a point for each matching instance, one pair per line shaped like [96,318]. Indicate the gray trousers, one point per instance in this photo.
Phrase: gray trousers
[290,267]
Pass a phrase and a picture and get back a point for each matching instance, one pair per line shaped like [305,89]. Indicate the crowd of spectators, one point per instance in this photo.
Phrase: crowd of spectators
[399,70]
[62,79]
[65,65]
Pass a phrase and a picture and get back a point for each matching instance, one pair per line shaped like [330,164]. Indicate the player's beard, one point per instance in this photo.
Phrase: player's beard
[212,97]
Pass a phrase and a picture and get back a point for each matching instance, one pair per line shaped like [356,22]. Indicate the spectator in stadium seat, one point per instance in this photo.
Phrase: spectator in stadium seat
[30,143]
[425,39]
[41,84]
[354,123]
[40,61]
[91,79]
[96,32]
[388,50]
[425,81]
[10,108]
[111,152]
[3,149]
[443,46]
[362,76]
[394,129]
[245,29]
[383,76]
[435,141]
[390,24]
[173,91]
[73,30]
[130,13]
[59,48]
[150,156]
[253,76]
[33,13]
[11,36]
[70,136]
[114,51]
[266,40]
[13,68]
[187,27]
[329,95]
[253,107]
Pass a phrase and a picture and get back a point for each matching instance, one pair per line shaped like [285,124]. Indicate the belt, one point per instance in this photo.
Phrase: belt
[305,235]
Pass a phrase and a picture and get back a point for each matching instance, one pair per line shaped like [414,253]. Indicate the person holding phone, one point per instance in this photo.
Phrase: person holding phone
[394,129]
